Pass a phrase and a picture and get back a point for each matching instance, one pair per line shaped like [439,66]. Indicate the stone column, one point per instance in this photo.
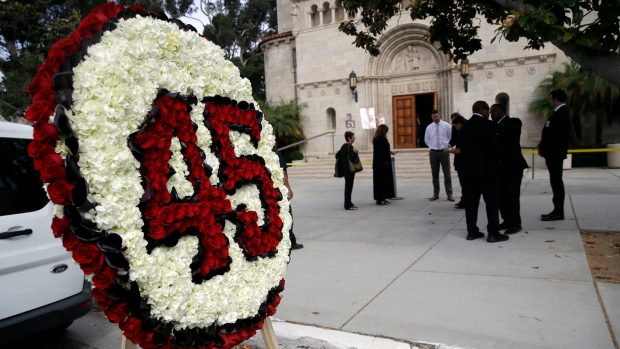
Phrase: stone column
[309,13]
[321,12]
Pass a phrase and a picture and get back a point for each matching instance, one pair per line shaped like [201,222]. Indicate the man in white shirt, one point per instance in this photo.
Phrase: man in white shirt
[437,137]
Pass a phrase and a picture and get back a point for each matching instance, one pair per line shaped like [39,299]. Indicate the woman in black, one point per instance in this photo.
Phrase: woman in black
[347,153]
[382,178]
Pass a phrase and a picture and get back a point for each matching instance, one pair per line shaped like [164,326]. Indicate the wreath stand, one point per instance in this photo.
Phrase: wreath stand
[269,336]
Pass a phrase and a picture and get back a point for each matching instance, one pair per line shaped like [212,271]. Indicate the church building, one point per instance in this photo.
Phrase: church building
[312,62]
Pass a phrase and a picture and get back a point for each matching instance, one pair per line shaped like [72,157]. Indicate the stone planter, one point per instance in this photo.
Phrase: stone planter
[613,157]
[568,162]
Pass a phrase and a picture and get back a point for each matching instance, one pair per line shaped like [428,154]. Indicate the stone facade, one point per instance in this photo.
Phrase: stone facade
[310,60]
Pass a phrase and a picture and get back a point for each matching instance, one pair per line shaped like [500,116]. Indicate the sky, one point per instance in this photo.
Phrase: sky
[199,15]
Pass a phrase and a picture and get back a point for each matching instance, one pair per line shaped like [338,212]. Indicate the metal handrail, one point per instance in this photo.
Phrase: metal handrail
[309,139]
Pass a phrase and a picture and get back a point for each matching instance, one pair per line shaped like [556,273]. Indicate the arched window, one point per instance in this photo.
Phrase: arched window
[504,100]
[315,15]
[339,11]
[331,118]
[327,13]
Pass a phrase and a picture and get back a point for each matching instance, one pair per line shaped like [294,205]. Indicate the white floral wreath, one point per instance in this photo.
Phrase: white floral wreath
[113,89]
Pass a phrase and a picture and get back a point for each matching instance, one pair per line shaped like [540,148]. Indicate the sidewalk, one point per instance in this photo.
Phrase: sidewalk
[405,273]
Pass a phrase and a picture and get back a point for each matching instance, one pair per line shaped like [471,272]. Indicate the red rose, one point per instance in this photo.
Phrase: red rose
[162,196]
[135,8]
[60,192]
[92,267]
[55,58]
[53,173]
[42,80]
[48,159]
[69,241]
[132,329]
[92,23]
[104,278]
[151,210]
[146,140]
[166,215]
[40,148]
[39,110]
[69,45]
[111,9]
[102,298]
[117,312]
[44,131]
[86,253]
[60,226]
[163,142]
[180,211]
[156,230]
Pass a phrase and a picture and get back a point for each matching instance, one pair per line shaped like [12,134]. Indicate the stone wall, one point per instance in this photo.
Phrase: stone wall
[407,65]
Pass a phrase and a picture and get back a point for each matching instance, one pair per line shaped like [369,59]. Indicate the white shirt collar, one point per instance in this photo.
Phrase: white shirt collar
[500,120]
[559,106]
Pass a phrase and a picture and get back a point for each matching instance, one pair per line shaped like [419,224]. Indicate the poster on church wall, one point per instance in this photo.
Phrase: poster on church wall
[368,118]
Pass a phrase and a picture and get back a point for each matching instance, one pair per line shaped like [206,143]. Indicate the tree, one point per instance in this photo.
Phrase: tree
[286,120]
[589,96]
[587,31]
[238,27]
[28,29]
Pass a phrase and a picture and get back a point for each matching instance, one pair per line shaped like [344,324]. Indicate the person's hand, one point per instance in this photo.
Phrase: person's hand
[356,151]
[290,194]
[538,150]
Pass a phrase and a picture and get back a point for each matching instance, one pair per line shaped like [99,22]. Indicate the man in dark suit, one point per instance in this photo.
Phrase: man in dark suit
[457,122]
[511,166]
[480,149]
[553,147]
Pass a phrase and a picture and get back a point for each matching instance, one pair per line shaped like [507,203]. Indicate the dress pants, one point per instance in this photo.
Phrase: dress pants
[557,185]
[510,197]
[348,188]
[438,158]
[474,187]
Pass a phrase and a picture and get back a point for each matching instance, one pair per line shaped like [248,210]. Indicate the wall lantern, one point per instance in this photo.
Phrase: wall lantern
[353,84]
[465,71]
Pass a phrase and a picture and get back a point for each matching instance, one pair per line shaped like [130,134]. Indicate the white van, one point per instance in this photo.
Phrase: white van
[41,287]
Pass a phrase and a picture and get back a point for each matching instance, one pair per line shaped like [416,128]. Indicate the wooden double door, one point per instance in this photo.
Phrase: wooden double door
[405,111]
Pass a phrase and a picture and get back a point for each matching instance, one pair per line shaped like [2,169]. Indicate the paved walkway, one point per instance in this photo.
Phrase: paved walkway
[404,273]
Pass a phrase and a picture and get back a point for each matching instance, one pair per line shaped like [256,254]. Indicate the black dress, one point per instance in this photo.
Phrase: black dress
[382,178]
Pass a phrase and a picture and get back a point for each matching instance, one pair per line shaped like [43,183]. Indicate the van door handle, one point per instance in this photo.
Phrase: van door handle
[12,234]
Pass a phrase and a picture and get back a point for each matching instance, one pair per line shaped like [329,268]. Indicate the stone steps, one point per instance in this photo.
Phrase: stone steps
[409,163]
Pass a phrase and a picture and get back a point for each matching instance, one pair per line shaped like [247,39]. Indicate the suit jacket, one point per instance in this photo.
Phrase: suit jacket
[509,132]
[555,135]
[480,149]
[453,141]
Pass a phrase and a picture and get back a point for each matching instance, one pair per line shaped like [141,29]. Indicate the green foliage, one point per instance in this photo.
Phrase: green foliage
[238,27]
[286,120]
[454,23]
[598,159]
[589,97]
[29,28]
[296,155]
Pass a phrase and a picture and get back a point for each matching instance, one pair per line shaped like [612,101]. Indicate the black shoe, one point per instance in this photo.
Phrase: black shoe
[459,206]
[297,246]
[513,230]
[496,237]
[474,236]
[503,226]
[548,214]
[553,217]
